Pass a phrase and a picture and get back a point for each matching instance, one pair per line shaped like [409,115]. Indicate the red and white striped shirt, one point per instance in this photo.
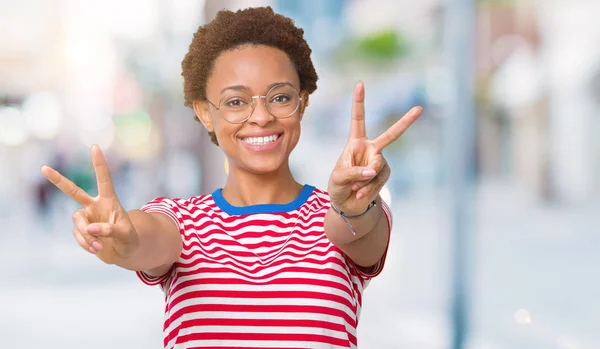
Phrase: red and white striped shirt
[261,276]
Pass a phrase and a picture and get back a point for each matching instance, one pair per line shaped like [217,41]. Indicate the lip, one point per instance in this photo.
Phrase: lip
[262,147]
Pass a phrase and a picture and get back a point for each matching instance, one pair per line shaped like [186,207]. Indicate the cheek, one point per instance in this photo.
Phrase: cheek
[294,129]
[225,132]
[296,137]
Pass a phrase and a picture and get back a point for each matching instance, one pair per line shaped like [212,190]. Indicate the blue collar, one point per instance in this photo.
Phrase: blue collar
[228,208]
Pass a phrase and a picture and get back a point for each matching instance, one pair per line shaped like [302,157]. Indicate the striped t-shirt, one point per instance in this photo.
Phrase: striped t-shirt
[261,276]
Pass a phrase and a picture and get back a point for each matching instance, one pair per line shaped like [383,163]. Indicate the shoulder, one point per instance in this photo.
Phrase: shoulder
[191,204]
[318,199]
[319,195]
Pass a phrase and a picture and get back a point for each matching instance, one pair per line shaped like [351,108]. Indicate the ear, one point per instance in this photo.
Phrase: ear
[303,104]
[203,115]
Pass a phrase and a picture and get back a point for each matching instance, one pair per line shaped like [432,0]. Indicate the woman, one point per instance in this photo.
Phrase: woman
[265,261]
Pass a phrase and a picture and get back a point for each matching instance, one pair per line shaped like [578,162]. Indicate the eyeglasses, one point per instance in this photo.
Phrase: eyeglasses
[236,107]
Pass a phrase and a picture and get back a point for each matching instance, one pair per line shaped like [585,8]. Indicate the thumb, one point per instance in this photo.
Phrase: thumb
[347,175]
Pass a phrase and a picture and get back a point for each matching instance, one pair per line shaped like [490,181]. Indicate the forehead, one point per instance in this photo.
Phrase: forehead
[255,67]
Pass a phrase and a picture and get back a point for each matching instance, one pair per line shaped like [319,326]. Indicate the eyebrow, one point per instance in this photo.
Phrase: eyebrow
[246,88]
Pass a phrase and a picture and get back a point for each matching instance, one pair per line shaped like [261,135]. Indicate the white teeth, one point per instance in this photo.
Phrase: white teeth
[260,140]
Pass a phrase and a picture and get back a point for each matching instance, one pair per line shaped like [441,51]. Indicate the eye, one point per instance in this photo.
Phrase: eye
[235,103]
[281,98]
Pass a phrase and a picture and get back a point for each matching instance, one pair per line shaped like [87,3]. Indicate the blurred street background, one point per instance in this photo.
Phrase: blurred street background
[74,73]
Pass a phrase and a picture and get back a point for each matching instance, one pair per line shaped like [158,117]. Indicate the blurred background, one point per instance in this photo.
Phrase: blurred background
[495,190]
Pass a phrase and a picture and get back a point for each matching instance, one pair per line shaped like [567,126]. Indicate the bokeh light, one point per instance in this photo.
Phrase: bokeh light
[43,115]
[13,129]
[565,342]
[103,137]
[133,129]
[523,317]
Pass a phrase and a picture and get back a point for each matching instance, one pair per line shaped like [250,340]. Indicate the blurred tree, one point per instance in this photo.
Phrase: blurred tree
[377,50]
[383,45]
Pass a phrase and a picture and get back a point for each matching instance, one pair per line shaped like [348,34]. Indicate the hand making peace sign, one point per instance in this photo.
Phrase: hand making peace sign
[102,226]
[361,170]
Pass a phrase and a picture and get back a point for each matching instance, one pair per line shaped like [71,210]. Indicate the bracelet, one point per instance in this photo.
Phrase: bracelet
[344,216]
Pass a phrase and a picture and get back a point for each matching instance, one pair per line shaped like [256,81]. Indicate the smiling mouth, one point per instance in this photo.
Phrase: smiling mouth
[261,140]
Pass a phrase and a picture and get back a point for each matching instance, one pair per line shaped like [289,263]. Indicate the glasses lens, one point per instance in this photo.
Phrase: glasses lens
[282,101]
[235,106]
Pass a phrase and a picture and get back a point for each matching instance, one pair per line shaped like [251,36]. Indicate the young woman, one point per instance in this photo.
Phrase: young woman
[265,261]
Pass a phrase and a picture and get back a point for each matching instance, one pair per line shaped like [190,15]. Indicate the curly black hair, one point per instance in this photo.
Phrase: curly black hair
[230,30]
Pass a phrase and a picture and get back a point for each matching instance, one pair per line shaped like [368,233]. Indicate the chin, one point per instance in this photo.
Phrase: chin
[264,166]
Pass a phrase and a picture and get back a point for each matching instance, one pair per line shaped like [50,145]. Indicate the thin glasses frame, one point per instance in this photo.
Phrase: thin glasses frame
[253,105]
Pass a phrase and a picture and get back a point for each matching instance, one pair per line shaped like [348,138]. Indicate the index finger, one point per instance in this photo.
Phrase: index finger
[357,127]
[105,186]
[397,129]
[66,186]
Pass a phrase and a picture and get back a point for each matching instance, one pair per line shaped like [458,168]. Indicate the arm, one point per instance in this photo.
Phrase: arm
[159,243]
[368,246]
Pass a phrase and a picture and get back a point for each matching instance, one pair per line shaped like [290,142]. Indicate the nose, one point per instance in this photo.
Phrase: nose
[260,115]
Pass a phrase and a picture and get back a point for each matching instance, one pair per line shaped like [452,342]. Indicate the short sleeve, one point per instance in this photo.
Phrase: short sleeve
[378,268]
[166,207]
[169,208]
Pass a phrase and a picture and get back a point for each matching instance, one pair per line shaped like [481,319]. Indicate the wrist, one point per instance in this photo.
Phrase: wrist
[361,222]
[353,213]
[357,211]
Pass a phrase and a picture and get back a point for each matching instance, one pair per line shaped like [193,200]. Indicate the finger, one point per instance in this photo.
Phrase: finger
[357,127]
[81,241]
[374,187]
[356,186]
[347,175]
[115,231]
[66,186]
[377,163]
[397,129]
[105,186]
[81,222]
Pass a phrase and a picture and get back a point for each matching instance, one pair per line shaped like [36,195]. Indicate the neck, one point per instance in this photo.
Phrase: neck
[244,188]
